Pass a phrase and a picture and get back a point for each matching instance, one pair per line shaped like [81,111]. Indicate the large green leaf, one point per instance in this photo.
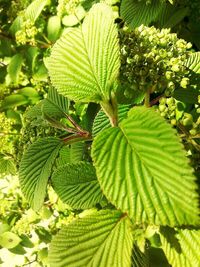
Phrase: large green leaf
[36,167]
[181,247]
[77,185]
[137,12]
[143,170]
[101,239]
[84,63]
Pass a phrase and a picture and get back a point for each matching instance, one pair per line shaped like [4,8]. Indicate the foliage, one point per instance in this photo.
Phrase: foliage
[100,122]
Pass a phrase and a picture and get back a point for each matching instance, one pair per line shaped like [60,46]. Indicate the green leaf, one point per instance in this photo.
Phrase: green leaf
[136,12]
[77,185]
[14,69]
[72,20]
[55,105]
[89,65]
[189,95]
[193,62]
[170,15]
[9,240]
[53,28]
[102,122]
[143,170]
[7,165]
[101,239]
[181,247]
[36,167]
[70,154]
[14,100]
[139,259]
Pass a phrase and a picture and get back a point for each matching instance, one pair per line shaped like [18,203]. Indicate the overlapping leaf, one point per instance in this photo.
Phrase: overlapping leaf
[70,154]
[36,167]
[136,12]
[143,170]
[77,185]
[88,57]
[181,247]
[101,239]
[101,121]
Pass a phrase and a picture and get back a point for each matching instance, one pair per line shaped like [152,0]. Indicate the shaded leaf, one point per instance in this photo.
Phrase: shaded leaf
[136,12]
[181,246]
[77,185]
[36,167]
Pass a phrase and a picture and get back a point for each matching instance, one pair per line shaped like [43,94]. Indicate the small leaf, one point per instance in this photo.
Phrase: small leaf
[53,28]
[101,121]
[55,105]
[77,185]
[9,240]
[14,69]
[89,65]
[14,100]
[101,239]
[143,170]
[36,167]
[136,12]
[181,246]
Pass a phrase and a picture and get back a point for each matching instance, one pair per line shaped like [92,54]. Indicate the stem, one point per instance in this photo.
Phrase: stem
[76,138]
[111,110]
[155,100]
[147,99]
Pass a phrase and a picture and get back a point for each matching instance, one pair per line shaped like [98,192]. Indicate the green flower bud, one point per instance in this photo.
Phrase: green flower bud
[184,82]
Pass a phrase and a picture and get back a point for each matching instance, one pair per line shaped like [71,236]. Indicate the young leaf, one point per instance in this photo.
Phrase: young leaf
[36,167]
[181,246]
[136,12]
[102,122]
[88,57]
[7,165]
[77,185]
[53,28]
[101,239]
[143,170]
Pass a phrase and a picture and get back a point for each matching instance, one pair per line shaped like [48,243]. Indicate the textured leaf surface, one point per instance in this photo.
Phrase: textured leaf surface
[88,57]
[136,12]
[193,62]
[55,105]
[101,239]
[70,154]
[36,167]
[102,122]
[142,170]
[7,165]
[77,185]
[139,259]
[182,247]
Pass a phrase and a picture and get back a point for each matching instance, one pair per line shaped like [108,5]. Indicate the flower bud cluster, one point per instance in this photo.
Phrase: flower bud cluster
[27,33]
[153,59]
